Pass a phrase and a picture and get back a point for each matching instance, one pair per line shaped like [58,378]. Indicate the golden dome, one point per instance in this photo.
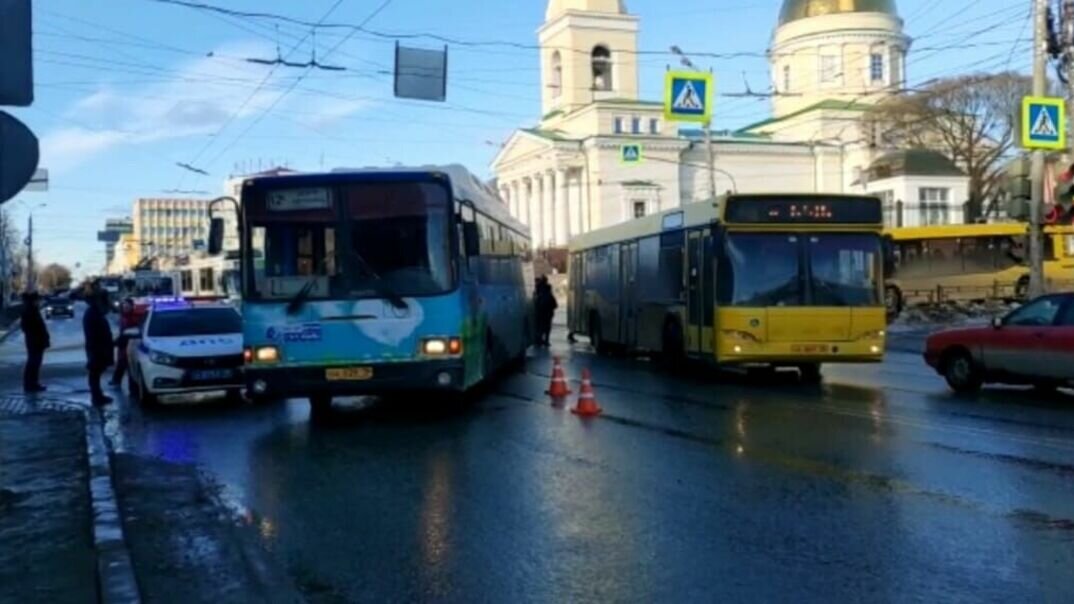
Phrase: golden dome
[794,10]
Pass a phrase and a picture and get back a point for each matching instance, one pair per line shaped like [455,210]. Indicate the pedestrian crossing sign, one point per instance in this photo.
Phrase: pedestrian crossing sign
[1044,123]
[688,96]
[630,153]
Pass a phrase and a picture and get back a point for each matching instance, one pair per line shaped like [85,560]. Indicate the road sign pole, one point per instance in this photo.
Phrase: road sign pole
[1036,206]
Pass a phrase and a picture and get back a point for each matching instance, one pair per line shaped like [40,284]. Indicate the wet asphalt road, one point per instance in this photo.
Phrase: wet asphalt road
[876,486]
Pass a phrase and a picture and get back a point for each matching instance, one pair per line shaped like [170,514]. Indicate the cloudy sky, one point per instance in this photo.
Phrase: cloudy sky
[128,89]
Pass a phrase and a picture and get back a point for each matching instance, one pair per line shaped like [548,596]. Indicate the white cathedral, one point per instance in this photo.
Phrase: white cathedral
[830,61]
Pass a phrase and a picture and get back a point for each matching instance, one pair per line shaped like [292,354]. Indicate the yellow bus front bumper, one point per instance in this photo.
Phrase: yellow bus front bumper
[790,353]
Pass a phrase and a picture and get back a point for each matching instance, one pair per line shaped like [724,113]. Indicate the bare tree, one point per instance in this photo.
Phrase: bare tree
[54,277]
[10,249]
[971,119]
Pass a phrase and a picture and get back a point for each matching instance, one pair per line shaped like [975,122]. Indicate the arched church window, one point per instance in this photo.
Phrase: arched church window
[557,74]
[602,68]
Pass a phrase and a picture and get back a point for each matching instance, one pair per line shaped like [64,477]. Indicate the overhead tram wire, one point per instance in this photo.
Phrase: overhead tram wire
[380,8]
[231,119]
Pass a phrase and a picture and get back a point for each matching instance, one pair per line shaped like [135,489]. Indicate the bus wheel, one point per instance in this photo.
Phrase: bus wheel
[320,406]
[893,301]
[1021,289]
[810,373]
[672,348]
[596,337]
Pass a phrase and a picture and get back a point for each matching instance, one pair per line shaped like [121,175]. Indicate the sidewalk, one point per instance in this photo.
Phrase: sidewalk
[79,524]
[46,513]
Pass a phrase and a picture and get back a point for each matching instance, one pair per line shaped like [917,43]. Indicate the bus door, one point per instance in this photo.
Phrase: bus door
[628,311]
[700,280]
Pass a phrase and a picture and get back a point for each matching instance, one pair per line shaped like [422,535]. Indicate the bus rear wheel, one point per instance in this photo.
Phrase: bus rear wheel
[672,345]
[320,406]
[596,336]
[810,373]
[893,301]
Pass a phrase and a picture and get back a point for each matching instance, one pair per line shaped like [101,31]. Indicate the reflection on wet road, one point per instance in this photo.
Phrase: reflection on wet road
[878,485]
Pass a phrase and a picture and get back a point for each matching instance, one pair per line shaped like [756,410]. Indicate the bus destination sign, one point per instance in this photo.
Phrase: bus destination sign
[298,200]
[775,209]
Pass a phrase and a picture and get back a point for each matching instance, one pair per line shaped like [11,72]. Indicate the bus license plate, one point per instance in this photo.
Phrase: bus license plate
[811,348]
[348,374]
[208,375]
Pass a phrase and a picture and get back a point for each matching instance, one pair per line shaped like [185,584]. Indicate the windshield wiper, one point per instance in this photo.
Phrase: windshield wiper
[300,298]
[384,289]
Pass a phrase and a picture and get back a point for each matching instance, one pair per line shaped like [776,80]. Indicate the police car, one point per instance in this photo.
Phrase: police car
[182,349]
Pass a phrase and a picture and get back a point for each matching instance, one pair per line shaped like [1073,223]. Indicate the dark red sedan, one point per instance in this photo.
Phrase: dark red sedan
[1033,345]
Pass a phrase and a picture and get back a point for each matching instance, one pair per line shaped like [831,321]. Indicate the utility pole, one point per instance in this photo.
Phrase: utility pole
[1036,206]
[31,278]
[711,160]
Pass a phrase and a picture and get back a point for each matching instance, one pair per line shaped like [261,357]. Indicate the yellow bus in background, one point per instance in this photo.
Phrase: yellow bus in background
[972,262]
[770,280]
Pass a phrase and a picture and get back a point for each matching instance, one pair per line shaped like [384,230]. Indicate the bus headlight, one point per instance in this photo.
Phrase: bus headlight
[877,334]
[435,347]
[267,354]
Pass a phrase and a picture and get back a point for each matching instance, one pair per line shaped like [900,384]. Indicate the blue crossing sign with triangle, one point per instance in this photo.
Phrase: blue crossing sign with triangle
[630,153]
[1044,123]
[688,96]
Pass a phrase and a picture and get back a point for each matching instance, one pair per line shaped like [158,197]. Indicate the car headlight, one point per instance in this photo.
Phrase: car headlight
[267,354]
[744,336]
[162,358]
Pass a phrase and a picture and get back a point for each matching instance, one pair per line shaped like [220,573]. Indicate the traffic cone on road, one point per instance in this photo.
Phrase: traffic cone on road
[587,402]
[559,389]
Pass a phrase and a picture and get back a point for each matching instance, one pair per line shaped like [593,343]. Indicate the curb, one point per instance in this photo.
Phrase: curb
[116,583]
[115,572]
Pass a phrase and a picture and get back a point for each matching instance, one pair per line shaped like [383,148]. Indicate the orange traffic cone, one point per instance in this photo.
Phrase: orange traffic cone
[558,390]
[587,403]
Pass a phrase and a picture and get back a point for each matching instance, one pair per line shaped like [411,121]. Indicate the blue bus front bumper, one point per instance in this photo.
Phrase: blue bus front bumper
[387,378]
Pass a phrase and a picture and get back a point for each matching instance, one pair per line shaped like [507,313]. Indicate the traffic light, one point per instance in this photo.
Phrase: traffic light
[1019,188]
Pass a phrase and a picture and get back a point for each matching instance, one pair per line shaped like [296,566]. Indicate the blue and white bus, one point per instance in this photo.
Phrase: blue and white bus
[368,282]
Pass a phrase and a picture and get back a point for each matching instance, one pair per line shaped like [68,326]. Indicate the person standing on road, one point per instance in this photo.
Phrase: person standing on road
[99,343]
[126,321]
[545,304]
[35,332]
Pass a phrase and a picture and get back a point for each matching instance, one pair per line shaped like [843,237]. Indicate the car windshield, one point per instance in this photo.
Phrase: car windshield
[195,322]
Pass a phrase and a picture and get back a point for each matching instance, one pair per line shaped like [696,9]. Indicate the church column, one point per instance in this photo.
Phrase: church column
[525,186]
[574,202]
[517,201]
[536,193]
[563,204]
[548,223]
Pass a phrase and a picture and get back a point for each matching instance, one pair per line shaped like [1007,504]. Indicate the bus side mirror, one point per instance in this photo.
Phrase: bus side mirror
[889,256]
[216,236]
[471,239]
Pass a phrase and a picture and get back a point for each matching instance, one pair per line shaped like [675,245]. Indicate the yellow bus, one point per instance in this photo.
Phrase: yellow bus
[972,262]
[765,280]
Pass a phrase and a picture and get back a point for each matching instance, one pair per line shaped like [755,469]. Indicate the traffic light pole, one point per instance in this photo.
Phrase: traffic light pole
[1036,205]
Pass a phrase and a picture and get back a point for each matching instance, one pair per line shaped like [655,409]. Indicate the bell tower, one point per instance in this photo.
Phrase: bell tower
[588,53]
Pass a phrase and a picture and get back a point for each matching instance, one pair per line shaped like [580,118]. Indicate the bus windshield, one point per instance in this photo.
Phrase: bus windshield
[369,239]
[800,269]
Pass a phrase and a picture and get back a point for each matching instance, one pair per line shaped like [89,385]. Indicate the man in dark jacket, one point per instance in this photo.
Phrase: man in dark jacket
[99,344]
[35,332]
[544,302]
